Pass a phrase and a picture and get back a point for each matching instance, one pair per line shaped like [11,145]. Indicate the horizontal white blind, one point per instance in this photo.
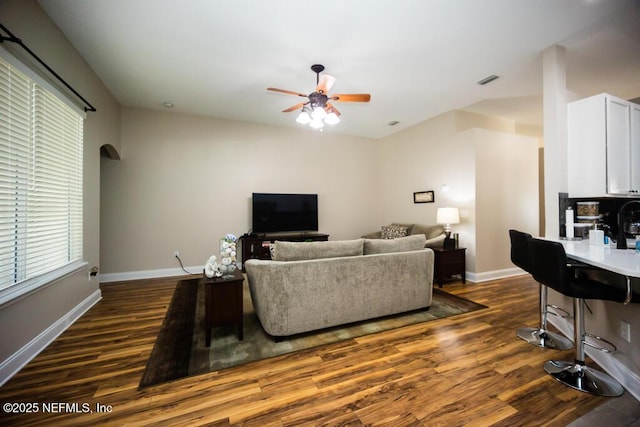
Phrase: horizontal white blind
[40,180]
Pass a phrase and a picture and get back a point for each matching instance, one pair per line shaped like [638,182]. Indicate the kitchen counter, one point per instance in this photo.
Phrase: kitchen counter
[621,261]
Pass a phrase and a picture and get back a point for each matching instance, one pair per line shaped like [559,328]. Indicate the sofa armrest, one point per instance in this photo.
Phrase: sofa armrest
[436,242]
[373,235]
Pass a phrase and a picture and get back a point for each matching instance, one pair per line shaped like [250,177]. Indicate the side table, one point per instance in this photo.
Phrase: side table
[223,303]
[448,262]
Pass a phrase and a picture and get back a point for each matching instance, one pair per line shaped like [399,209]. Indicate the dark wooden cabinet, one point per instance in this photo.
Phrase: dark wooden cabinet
[223,303]
[257,247]
[449,262]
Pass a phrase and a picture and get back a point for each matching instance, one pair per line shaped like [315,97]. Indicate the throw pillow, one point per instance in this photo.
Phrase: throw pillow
[409,227]
[393,231]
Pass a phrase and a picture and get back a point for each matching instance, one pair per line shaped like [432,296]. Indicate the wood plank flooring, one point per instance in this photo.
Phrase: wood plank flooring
[467,370]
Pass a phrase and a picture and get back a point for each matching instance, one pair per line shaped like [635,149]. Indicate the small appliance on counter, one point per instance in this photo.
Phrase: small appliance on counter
[589,213]
[631,223]
[581,230]
[587,217]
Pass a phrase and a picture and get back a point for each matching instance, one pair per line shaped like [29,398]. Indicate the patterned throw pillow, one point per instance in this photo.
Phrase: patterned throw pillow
[393,231]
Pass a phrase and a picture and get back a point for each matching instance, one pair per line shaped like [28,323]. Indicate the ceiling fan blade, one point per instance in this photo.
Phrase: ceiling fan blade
[294,108]
[325,83]
[290,92]
[351,97]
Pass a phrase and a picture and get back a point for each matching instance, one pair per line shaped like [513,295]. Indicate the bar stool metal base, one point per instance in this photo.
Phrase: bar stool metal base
[544,339]
[583,378]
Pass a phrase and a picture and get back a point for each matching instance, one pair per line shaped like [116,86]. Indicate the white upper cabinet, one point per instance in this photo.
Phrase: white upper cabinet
[618,142]
[603,147]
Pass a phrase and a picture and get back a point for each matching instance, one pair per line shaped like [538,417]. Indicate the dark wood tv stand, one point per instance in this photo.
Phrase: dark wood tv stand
[256,246]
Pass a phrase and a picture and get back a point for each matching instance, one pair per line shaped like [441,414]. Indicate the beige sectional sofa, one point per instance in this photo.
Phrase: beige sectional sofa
[316,285]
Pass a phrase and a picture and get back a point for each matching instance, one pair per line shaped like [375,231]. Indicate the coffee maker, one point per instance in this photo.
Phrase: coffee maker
[631,223]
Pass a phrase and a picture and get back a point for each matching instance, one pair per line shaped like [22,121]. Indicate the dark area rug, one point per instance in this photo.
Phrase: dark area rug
[180,349]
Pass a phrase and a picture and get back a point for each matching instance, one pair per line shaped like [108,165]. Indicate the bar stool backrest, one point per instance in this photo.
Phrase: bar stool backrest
[520,249]
[549,265]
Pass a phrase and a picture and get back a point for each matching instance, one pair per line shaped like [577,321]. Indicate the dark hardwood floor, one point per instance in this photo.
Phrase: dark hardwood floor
[467,370]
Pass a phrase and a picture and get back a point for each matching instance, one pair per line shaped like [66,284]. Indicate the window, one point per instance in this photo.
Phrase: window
[40,184]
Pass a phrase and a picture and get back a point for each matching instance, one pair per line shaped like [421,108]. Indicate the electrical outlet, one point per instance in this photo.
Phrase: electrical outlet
[176,254]
[625,331]
[93,272]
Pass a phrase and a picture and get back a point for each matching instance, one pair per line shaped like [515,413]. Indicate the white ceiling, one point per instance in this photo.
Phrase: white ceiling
[417,58]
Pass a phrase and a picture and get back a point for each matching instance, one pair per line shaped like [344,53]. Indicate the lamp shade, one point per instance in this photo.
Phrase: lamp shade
[303,118]
[332,119]
[448,216]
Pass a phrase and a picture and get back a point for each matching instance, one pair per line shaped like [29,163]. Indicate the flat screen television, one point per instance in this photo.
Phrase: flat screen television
[277,212]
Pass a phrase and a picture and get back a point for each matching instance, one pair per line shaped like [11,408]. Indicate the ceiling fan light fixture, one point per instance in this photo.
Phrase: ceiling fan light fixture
[319,113]
[316,123]
[303,118]
[332,119]
[318,110]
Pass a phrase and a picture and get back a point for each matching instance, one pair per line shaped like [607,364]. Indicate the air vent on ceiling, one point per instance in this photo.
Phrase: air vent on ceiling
[487,79]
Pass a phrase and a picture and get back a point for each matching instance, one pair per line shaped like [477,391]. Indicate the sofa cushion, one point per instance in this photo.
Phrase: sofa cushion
[401,244]
[393,231]
[297,251]
[430,231]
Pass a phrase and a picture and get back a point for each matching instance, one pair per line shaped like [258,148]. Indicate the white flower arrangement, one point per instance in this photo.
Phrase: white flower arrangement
[228,253]
[212,268]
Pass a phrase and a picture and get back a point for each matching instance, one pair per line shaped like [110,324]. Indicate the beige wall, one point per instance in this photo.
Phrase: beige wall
[185,181]
[506,194]
[24,320]
[475,157]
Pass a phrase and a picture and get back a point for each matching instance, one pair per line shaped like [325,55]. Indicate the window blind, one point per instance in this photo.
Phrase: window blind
[41,178]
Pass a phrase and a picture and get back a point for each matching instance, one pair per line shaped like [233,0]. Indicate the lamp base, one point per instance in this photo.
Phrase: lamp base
[449,243]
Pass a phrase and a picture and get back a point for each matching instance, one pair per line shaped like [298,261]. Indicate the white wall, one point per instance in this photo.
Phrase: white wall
[185,181]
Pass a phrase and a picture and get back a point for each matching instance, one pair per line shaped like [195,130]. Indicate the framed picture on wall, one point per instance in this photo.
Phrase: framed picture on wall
[423,197]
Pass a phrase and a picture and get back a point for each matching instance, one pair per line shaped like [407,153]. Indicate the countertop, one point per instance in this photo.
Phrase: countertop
[621,261]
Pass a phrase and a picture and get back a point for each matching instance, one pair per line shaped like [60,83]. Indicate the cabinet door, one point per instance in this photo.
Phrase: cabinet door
[586,145]
[635,148]
[618,147]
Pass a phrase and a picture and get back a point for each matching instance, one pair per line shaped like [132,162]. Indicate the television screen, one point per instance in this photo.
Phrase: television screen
[273,212]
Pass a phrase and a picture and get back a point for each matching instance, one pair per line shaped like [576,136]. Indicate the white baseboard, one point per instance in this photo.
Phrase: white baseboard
[607,361]
[149,274]
[13,364]
[493,275]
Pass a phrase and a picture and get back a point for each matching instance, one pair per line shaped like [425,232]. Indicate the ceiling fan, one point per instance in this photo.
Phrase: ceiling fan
[318,109]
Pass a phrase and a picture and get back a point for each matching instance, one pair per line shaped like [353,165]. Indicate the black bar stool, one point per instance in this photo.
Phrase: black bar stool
[550,267]
[539,336]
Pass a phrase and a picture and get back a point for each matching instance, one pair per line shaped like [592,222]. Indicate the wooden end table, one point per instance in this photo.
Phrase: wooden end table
[448,262]
[223,303]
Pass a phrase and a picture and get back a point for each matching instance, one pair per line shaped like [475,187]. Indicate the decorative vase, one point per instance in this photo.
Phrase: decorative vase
[228,253]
